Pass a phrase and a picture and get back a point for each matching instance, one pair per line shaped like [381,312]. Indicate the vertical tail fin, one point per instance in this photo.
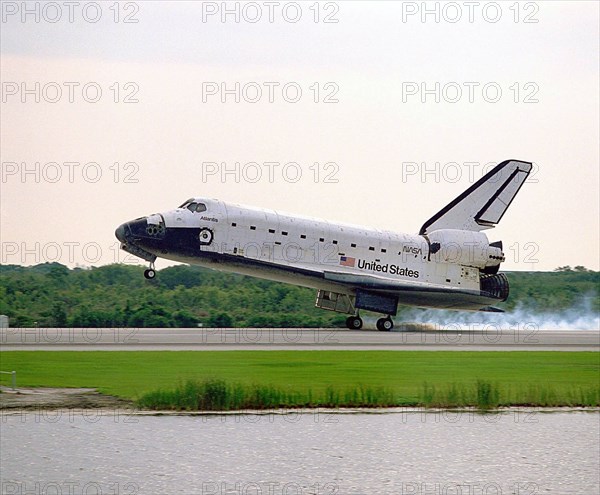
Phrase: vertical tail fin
[482,205]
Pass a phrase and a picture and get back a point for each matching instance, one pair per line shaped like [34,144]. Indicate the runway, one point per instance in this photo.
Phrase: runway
[229,339]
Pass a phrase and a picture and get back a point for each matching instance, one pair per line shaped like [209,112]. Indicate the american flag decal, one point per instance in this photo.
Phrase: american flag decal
[347,261]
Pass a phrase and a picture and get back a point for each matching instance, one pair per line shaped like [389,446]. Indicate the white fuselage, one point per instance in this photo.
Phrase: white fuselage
[286,246]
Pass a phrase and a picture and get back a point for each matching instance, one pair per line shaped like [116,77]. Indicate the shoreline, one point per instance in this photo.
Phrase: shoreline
[85,400]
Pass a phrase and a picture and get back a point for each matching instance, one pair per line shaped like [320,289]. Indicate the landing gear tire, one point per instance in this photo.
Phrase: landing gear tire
[385,324]
[354,322]
[149,273]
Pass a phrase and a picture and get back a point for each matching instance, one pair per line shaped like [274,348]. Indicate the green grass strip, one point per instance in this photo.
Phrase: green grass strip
[259,379]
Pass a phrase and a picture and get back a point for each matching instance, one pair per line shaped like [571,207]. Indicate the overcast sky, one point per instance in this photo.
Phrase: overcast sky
[378,114]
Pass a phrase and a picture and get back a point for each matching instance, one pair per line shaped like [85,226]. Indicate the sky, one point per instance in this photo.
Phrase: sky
[374,114]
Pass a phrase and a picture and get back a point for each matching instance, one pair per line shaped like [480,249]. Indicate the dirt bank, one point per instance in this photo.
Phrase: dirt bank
[59,398]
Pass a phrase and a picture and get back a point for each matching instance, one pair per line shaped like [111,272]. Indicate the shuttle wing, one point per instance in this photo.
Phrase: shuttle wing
[482,205]
[376,283]
[416,293]
[373,282]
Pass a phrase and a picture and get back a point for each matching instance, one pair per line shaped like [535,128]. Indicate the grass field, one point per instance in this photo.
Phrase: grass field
[402,377]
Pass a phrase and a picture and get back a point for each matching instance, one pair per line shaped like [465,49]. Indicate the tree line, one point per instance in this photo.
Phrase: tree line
[52,295]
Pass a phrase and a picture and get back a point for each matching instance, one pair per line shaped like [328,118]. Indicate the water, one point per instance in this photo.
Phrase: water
[421,453]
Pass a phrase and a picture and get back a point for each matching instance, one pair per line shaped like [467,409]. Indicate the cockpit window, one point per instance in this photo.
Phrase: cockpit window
[194,207]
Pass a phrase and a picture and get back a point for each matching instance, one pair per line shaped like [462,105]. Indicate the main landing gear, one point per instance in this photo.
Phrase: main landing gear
[385,324]
[356,323]
[150,273]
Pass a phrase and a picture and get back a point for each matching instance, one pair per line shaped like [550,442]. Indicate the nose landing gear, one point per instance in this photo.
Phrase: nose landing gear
[150,273]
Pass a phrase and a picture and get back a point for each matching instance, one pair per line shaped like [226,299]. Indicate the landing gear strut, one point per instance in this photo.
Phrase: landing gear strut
[354,322]
[385,324]
[150,273]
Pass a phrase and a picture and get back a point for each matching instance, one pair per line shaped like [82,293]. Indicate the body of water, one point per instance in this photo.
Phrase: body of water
[424,453]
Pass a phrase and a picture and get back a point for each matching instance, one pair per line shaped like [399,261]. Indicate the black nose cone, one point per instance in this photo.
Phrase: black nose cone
[120,233]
